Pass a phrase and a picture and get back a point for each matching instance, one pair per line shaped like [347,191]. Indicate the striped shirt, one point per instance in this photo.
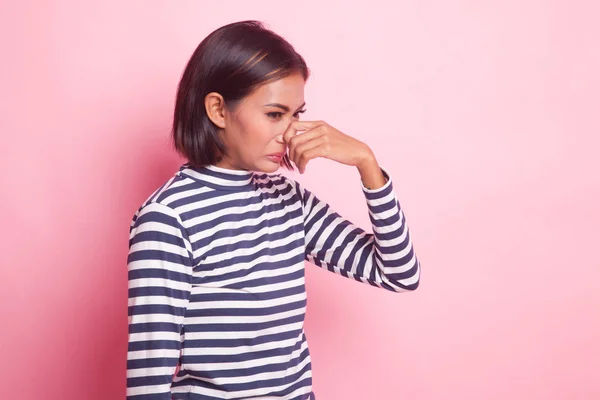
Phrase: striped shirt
[217,287]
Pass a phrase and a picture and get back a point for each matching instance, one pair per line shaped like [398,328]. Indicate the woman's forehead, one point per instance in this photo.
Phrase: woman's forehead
[288,91]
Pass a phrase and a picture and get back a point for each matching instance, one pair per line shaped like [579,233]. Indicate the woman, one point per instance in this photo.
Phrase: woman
[216,260]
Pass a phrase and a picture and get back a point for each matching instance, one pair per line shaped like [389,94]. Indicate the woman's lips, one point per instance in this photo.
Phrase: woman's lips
[275,157]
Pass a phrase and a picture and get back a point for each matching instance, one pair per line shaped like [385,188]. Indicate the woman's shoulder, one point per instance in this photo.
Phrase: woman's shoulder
[163,196]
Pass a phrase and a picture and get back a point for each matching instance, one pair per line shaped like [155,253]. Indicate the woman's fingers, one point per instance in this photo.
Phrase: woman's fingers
[308,155]
[317,147]
[298,140]
[296,126]
[334,144]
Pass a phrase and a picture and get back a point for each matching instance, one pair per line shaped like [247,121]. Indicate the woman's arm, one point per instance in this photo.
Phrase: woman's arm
[160,275]
[384,258]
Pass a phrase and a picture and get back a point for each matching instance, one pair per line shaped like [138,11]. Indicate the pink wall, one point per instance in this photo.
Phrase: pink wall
[486,112]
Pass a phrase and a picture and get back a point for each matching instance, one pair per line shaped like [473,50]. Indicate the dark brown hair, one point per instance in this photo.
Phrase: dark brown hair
[233,61]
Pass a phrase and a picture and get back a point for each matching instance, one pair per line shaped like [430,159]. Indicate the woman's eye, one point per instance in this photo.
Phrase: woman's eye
[274,115]
[297,115]
[278,115]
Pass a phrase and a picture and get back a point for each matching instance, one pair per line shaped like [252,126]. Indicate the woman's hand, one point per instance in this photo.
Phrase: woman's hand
[322,140]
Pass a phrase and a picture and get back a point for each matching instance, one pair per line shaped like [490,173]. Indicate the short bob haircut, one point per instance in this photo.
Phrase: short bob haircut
[233,61]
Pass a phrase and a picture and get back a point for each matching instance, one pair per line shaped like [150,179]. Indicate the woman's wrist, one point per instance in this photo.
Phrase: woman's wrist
[370,172]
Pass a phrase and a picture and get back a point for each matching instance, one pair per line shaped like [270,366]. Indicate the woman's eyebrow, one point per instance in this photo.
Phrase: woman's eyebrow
[282,106]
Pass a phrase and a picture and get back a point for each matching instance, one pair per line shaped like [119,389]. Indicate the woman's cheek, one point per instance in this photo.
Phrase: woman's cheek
[258,130]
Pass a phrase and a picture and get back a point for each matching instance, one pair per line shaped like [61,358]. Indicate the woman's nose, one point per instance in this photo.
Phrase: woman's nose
[279,139]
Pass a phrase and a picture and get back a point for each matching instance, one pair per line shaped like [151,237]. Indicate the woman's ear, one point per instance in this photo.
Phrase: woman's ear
[215,109]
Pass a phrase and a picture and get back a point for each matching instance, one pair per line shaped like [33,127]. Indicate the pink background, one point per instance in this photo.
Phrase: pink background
[485,112]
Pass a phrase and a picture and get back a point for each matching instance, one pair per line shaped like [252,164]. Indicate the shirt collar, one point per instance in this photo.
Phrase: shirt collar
[219,178]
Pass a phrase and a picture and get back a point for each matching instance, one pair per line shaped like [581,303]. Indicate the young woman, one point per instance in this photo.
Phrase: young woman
[216,261]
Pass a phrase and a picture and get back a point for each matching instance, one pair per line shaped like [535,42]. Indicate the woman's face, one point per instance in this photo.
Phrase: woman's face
[253,133]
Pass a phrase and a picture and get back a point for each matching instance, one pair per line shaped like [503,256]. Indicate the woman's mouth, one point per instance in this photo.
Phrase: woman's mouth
[276,158]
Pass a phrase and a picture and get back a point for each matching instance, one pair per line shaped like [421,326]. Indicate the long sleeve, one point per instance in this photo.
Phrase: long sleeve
[159,282]
[384,258]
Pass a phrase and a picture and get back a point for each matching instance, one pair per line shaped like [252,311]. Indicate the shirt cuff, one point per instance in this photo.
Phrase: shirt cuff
[387,184]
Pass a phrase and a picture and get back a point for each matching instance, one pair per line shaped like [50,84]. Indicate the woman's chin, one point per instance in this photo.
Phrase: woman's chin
[267,167]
